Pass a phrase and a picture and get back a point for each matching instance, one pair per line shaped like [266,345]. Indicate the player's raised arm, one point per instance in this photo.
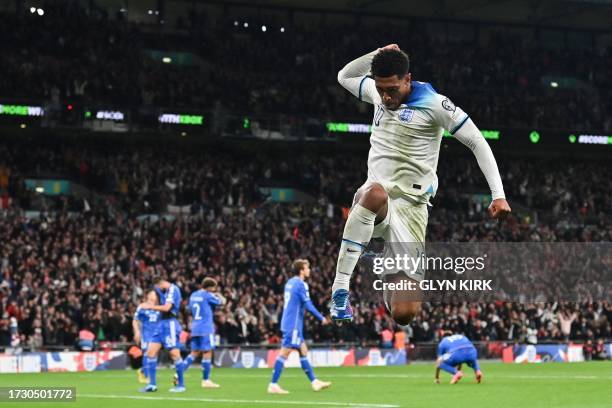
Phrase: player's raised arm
[459,124]
[216,299]
[168,302]
[161,308]
[166,307]
[354,76]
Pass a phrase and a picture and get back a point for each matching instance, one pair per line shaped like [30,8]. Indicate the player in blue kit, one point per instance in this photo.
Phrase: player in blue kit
[202,304]
[452,352]
[167,334]
[297,299]
[145,325]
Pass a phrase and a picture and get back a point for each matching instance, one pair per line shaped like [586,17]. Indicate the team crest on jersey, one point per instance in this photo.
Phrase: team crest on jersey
[406,115]
[448,105]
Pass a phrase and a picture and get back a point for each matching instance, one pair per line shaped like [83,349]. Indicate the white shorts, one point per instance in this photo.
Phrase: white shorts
[403,231]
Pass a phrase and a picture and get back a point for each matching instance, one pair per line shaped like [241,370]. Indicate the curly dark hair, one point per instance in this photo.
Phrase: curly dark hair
[387,63]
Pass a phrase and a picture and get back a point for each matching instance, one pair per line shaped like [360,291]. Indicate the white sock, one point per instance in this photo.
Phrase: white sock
[358,231]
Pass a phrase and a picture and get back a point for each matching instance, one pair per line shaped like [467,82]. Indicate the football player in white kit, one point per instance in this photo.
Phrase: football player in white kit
[409,120]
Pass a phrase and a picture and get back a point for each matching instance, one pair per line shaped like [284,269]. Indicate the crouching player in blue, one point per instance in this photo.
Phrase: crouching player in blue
[167,334]
[452,352]
[202,304]
[145,324]
[297,299]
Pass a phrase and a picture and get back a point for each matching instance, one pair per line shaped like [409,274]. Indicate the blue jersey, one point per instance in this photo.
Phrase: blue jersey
[149,320]
[201,305]
[297,299]
[453,343]
[172,295]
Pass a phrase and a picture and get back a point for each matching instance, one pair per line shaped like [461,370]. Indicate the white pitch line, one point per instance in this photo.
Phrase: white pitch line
[522,377]
[235,401]
[413,376]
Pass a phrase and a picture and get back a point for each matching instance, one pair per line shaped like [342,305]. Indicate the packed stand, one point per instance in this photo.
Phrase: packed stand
[136,180]
[69,270]
[61,274]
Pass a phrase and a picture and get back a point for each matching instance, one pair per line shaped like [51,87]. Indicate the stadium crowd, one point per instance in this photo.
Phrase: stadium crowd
[68,269]
[61,274]
[84,262]
[138,180]
[91,56]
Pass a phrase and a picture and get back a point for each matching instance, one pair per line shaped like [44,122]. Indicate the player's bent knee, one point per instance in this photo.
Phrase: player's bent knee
[373,197]
[403,313]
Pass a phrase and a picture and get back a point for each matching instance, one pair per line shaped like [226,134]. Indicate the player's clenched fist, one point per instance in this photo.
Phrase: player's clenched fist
[499,208]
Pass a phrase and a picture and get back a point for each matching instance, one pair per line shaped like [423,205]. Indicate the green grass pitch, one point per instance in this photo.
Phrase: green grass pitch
[546,385]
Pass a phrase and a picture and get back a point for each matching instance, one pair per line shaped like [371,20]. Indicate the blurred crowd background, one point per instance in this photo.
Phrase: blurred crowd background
[83,265]
[73,262]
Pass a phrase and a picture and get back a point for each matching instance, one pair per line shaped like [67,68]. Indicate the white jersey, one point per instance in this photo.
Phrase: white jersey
[405,143]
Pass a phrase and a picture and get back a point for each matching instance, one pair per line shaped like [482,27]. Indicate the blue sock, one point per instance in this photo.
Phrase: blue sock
[187,362]
[448,368]
[307,368]
[180,372]
[145,363]
[152,371]
[474,364]
[278,369]
[206,369]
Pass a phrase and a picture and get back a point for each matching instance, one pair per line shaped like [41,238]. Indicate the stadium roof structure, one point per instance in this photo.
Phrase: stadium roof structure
[577,14]
[593,15]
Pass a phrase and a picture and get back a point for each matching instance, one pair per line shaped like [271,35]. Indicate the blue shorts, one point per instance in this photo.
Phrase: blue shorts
[203,343]
[293,339]
[147,338]
[168,334]
[461,356]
